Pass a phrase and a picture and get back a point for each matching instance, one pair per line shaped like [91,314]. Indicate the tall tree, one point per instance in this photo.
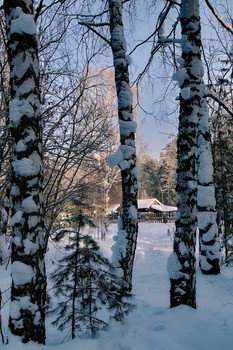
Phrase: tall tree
[125,157]
[222,143]
[206,202]
[182,262]
[27,312]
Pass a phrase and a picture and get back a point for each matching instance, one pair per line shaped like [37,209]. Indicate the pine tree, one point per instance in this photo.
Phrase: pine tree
[28,292]
[85,282]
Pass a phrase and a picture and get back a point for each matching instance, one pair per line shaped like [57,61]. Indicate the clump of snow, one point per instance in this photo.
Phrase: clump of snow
[135,171]
[29,205]
[204,263]
[126,164]
[18,109]
[127,127]
[22,22]
[205,171]
[15,309]
[126,115]
[21,273]
[133,213]
[181,62]
[206,197]
[33,221]
[182,248]
[30,247]
[115,158]
[37,318]
[28,166]
[118,39]
[121,157]
[16,218]
[185,44]
[173,266]
[125,96]
[119,248]
[180,76]
[185,93]
[17,241]
[21,146]
[25,304]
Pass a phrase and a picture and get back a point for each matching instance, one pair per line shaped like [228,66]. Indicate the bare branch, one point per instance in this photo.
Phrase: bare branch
[102,24]
[158,27]
[219,101]
[219,18]
[95,31]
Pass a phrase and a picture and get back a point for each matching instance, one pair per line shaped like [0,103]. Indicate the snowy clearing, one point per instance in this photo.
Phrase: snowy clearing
[152,325]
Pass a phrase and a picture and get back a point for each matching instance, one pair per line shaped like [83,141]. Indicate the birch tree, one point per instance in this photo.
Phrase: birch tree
[27,311]
[207,214]
[182,262]
[125,157]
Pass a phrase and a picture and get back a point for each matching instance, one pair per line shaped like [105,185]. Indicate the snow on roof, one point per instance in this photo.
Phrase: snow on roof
[163,207]
[147,203]
[155,204]
[152,203]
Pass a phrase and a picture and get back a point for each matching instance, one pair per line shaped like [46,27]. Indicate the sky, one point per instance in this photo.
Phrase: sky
[155,126]
[156,130]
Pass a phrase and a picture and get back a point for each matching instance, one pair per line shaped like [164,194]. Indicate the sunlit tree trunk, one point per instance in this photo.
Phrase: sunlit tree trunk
[125,157]
[27,311]
[182,262]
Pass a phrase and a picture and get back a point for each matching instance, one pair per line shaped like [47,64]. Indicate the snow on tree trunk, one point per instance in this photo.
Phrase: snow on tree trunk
[125,157]
[182,262]
[208,228]
[27,309]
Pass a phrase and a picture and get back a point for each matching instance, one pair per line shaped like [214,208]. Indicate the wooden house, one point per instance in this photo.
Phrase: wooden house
[149,210]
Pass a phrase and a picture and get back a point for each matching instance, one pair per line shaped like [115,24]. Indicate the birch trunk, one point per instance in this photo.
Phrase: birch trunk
[124,249]
[27,310]
[207,215]
[182,262]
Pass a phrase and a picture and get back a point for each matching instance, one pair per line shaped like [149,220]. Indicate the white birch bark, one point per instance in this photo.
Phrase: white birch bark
[125,157]
[28,292]
[182,262]
[208,229]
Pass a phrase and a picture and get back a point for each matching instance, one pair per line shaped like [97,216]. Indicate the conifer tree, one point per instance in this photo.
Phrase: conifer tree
[85,282]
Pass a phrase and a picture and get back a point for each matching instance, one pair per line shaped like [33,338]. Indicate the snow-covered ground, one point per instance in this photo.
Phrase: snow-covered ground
[152,325]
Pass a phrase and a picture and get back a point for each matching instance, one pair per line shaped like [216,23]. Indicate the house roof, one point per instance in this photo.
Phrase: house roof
[148,203]
[155,204]
[163,207]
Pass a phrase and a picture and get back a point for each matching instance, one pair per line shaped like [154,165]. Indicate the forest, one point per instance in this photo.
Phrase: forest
[79,80]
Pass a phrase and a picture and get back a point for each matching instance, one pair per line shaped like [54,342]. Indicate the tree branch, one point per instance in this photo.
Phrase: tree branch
[95,31]
[219,18]
[221,103]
